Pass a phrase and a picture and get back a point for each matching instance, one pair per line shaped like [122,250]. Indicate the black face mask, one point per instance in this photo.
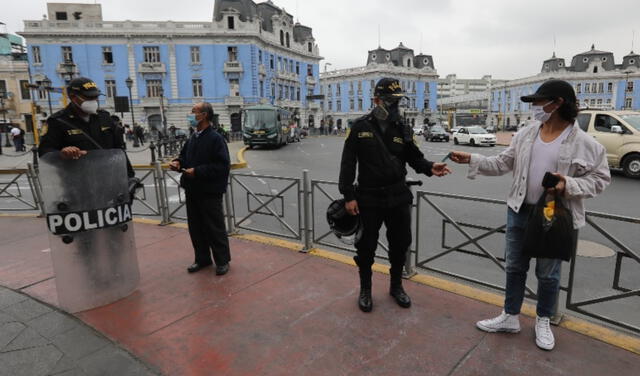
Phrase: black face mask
[393,107]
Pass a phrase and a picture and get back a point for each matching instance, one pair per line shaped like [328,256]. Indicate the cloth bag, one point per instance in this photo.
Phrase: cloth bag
[549,232]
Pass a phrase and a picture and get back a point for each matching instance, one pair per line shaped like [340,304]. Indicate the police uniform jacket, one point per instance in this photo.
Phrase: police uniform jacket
[208,155]
[381,179]
[65,128]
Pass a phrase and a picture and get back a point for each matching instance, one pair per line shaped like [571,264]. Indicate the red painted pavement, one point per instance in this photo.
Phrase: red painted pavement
[279,312]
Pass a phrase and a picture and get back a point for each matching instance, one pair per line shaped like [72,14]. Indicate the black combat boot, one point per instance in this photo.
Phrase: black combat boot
[365,302]
[397,291]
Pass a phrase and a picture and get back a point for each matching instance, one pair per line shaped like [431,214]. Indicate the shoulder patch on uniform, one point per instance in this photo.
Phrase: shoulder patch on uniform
[71,132]
[398,140]
[365,134]
[105,128]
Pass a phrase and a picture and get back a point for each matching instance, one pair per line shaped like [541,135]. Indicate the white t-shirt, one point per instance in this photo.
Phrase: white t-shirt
[15,131]
[544,157]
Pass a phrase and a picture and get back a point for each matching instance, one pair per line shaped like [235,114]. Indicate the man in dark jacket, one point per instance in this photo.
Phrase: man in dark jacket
[204,163]
[380,145]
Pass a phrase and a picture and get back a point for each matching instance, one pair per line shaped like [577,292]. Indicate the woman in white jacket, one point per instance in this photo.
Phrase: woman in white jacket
[553,143]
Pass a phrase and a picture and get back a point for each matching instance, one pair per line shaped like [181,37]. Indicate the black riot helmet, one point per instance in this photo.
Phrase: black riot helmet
[348,228]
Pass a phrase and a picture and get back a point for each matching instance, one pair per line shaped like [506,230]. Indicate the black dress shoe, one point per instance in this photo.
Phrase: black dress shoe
[365,302]
[222,269]
[195,267]
[400,296]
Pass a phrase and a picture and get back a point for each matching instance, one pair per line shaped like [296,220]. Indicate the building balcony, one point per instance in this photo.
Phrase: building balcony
[152,68]
[311,80]
[289,76]
[287,103]
[232,67]
[150,101]
[314,106]
[67,69]
[234,101]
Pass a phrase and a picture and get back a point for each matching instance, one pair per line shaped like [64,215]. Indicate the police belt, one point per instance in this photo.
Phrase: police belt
[388,189]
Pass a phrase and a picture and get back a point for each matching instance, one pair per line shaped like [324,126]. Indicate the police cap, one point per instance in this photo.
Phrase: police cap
[83,86]
[388,87]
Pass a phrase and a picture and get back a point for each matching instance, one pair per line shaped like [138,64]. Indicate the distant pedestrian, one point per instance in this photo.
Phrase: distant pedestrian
[204,163]
[138,133]
[18,138]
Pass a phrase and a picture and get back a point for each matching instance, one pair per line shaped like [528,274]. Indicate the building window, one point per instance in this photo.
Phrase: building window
[35,53]
[42,93]
[110,86]
[297,68]
[273,90]
[359,104]
[338,106]
[153,88]
[232,53]
[261,89]
[260,56]
[196,85]
[310,47]
[25,92]
[151,54]
[629,86]
[292,94]
[61,16]
[587,88]
[426,104]
[579,88]
[230,22]
[609,87]
[291,66]
[271,63]
[288,41]
[628,102]
[195,55]
[107,55]
[599,102]
[281,38]
[601,87]
[310,70]
[351,105]
[298,94]
[67,54]
[338,89]
[280,92]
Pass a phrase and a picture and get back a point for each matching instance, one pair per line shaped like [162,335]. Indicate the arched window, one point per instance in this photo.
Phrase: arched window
[282,37]
[288,42]
[409,62]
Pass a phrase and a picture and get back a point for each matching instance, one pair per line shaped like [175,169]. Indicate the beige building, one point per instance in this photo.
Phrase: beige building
[14,75]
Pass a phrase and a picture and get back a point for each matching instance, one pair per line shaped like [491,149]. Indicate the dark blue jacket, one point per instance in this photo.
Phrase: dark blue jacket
[209,155]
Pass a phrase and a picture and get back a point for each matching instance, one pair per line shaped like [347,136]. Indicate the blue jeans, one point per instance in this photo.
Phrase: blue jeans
[547,270]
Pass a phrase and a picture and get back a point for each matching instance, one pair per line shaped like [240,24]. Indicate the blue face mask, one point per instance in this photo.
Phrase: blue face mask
[192,120]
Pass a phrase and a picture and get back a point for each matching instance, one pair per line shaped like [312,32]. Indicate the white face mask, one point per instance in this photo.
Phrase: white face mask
[89,107]
[539,113]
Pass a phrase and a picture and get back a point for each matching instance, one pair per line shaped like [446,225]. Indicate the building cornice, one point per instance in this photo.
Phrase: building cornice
[337,75]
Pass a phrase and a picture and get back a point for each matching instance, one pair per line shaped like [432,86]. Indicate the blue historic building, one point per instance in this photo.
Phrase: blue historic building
[249,53]
[597,80]
[349,92]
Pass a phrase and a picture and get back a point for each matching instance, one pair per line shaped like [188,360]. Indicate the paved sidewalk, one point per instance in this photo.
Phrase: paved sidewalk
[36,339]
[281,312]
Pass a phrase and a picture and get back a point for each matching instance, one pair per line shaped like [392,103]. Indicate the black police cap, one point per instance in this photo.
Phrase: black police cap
[388,87]
[552,89]
[83,86]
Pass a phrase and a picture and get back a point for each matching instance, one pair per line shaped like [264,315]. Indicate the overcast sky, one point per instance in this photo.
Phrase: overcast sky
[507,39]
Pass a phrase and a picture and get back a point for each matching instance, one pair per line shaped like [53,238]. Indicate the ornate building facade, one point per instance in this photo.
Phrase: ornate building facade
[248,54]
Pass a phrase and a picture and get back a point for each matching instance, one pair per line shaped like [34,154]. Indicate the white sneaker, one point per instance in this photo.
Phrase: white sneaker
[503,323]
[544,336]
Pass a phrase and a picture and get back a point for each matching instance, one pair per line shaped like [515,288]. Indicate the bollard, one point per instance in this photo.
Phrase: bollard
[152,147]
[306,198]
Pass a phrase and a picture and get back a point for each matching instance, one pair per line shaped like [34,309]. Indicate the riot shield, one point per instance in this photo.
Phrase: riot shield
[90,230]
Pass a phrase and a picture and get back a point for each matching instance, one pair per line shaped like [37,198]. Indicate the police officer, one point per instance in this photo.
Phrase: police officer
[381,145]
[81,126]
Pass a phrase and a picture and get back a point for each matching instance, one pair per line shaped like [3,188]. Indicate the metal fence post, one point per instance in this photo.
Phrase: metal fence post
[161,191]
[227,208]
[152,147]
[306,201]
[34,181]
[410,262]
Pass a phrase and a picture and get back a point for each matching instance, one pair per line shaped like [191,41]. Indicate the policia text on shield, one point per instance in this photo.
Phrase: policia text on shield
[380,145]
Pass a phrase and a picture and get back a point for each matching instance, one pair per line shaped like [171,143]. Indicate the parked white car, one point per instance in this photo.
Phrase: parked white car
[474,136]
[418,131]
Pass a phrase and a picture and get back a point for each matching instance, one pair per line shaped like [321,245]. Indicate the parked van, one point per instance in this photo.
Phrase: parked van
[619,133]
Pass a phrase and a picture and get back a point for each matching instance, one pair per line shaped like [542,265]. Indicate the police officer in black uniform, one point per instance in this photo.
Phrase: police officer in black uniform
[81,126]
[381,145]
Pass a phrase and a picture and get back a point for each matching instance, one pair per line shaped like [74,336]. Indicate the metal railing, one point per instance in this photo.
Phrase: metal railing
[294,208]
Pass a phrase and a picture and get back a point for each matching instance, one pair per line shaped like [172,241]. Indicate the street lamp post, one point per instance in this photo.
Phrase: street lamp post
[4,119]
[46,83]
[164,118]
[129,83]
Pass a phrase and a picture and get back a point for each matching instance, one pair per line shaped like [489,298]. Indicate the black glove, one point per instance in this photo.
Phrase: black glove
[134,184]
